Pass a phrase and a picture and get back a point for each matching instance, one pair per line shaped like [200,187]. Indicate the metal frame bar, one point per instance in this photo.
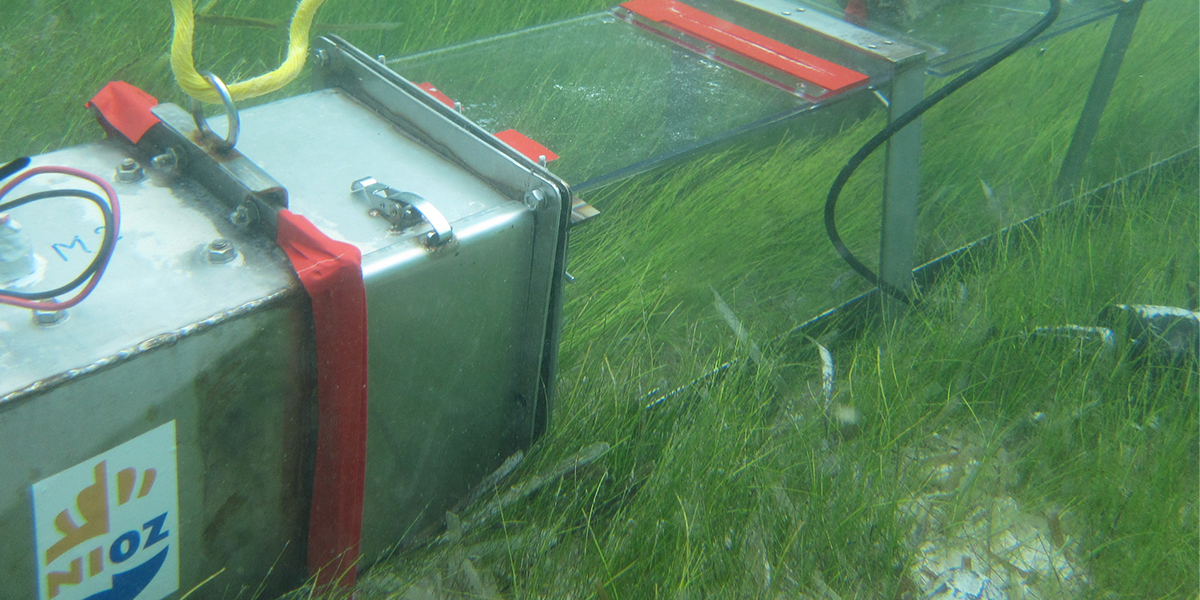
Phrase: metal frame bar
[902,171]
[1070,174]
[902,178]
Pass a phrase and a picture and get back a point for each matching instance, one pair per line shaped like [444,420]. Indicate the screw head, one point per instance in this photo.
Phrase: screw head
[220,251]
[48,318]
[240,216]
[535,199]
[166,161]
[321,57]
[129,171]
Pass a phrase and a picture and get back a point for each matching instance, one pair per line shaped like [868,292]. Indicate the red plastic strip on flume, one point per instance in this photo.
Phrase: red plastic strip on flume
[331,272]
[746,43]
[856,11]
[525,145]
[124,108]
[436,93]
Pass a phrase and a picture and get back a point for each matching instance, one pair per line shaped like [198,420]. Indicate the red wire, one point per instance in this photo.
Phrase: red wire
[95,278]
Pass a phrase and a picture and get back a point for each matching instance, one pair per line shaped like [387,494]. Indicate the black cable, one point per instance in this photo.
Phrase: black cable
[908,117]
[12,167]
[102,255]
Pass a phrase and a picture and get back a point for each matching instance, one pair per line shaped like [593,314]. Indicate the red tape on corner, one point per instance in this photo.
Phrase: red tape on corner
[331,272]
[125,109]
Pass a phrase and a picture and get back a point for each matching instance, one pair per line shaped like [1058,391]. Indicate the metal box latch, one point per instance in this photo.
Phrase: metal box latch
[404,210]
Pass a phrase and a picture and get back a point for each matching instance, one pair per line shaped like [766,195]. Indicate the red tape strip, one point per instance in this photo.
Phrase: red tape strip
[331,272]
[436,93]
[759,48]
[525,145]
[125,109]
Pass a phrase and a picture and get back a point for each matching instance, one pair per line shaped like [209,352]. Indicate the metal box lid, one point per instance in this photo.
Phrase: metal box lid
[158,286]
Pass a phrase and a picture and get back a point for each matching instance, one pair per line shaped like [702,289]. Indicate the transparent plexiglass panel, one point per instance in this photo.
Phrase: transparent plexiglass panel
[679,256]
[601,93]
[993,151]
[964,31]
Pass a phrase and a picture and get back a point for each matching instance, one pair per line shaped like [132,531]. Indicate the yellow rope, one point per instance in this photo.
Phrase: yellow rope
[199,88]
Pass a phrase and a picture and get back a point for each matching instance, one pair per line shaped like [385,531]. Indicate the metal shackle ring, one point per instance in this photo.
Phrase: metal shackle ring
[231,113]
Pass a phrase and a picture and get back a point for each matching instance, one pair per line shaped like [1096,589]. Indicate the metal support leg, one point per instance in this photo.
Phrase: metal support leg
[1071,174]
[902,178]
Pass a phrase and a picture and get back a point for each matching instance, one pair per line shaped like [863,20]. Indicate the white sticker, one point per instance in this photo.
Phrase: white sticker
[108,527]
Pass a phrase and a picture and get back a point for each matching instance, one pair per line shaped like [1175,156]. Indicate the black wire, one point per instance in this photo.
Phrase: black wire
[13,166]
[908,117]
[102,255]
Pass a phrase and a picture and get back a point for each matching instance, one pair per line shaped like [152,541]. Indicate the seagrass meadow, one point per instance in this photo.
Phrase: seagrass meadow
[954,444]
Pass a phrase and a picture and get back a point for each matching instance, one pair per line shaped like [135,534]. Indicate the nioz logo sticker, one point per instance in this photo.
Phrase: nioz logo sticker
[108,528]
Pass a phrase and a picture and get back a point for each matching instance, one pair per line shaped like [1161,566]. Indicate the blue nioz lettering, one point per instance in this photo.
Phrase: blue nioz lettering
[156,534]
[130,541]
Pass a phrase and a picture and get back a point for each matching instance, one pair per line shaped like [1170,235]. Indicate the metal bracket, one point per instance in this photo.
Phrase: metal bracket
[253,196]
[404,210]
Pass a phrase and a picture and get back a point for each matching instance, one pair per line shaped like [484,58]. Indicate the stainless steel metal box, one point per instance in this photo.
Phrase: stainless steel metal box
[462,341]
[220,351]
